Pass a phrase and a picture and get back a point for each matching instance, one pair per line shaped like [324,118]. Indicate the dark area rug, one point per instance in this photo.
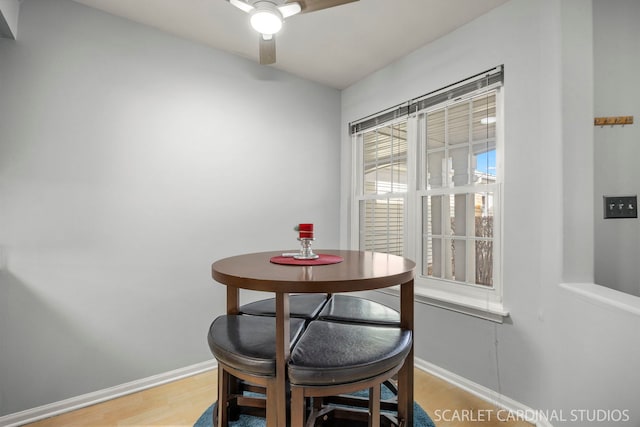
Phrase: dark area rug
[420,417]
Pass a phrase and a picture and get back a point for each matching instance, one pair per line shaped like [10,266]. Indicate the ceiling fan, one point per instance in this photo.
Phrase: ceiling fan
[267,17]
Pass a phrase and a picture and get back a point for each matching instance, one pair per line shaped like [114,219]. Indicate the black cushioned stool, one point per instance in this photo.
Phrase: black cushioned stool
[245,349]
[304,306]
[332,358]
[352,309]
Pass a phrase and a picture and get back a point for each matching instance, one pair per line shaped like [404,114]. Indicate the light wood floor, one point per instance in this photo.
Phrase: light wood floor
[181,403]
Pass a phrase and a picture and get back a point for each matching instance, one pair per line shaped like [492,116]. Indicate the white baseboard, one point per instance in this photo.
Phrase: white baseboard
[484,393]
[57,408]
[67,405]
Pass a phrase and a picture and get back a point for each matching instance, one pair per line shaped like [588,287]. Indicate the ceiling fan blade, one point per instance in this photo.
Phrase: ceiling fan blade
[313,5]
[290,9]
[267,50]
[245,7]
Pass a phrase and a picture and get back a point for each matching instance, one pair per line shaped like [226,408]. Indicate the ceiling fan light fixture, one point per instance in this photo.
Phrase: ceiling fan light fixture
[266,19]
[267,16]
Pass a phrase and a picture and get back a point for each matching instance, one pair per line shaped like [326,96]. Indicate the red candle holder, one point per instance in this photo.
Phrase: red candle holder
[305,236]
[306,231]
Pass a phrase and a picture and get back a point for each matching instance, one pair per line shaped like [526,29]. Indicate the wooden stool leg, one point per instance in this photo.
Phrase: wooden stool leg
[374,406]
[223,397]
[271,413]
[297,406]
[317,404]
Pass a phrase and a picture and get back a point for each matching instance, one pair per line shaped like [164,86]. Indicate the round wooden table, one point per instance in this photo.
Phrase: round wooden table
[359,271]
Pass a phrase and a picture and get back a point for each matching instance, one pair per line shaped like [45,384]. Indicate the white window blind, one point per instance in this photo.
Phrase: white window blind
[423,102]
[384,186]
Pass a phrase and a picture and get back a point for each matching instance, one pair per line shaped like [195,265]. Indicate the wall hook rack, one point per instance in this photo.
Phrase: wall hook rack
[612,121]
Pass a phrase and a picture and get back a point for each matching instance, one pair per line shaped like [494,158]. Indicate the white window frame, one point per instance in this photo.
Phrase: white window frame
[476,300]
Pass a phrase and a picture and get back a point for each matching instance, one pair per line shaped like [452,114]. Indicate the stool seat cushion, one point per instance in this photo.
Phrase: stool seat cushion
[247,343]
[345,308]
[337,353]
[306,306]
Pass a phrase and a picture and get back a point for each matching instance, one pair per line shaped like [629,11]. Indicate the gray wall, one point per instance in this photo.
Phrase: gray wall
[129,161]
[514,35]
[617,149]
[568,344]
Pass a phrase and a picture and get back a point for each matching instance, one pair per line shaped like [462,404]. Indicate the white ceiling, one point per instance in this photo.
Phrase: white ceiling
[336,46]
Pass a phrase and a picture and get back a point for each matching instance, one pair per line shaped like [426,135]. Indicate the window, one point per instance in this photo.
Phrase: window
[427,186]
[384,186]
[460,187]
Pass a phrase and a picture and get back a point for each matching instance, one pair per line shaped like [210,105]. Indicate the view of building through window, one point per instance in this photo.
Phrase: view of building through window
[459,200]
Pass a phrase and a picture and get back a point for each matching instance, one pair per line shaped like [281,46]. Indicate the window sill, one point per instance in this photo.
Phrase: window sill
[605,297]
[482,309]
